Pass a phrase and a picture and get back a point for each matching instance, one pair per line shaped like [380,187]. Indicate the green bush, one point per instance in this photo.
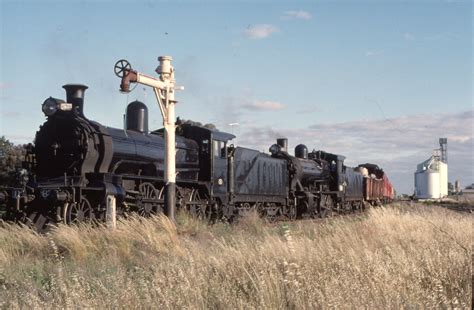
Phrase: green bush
[11,157]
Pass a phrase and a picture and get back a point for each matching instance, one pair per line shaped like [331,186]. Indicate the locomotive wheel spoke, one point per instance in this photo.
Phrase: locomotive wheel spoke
[183,198]
[160,207]
[271,218]
[271,212]
[292,212]
[327,207]
[79,212]
[199,207]
[148,200]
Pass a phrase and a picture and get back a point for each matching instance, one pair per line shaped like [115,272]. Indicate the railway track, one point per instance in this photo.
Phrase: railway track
[468,208]
[306,218]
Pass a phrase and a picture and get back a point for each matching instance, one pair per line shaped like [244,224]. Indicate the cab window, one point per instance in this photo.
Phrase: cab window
[205,146]
[224,150]
[219,149]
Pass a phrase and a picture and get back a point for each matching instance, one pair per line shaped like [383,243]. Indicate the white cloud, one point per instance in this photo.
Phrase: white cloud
[409,36]
[442,36]
[396,144]
[371,53]
[10,114]
[288,15]
[264,106]
[309,109]
[260,31]
[461,139]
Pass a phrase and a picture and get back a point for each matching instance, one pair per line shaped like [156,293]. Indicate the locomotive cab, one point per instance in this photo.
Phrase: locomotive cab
[336,167]
[213,149]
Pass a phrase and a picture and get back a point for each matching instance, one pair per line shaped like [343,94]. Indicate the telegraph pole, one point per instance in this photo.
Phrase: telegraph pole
[232,126]
[164,88]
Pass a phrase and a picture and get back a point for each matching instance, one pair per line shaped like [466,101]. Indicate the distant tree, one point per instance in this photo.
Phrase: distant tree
[5,146]
[11,156]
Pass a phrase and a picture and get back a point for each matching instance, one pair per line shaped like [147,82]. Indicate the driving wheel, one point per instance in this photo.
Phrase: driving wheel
[148,201]
[79,212]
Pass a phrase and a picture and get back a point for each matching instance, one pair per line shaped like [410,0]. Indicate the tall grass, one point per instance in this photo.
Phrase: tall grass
[395,257]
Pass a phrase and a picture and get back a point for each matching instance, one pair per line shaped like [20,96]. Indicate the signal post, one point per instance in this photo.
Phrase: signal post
[164,88]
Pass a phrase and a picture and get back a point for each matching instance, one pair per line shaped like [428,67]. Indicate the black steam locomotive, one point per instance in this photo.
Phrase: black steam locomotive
[76,163]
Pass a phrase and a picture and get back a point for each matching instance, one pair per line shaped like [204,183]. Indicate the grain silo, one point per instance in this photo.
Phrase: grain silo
[431,176]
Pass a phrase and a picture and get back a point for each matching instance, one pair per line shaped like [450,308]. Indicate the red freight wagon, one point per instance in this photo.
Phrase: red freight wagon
[377,187]
[373,189]
[387,189]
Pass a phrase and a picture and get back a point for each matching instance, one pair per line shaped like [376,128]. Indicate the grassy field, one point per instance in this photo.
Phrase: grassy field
[402,256]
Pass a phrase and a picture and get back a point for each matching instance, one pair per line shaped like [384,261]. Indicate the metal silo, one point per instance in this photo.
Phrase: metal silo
[443,179]
[431,176]
[427,180]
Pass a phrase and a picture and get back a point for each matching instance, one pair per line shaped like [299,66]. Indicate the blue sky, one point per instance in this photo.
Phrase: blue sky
[344,76]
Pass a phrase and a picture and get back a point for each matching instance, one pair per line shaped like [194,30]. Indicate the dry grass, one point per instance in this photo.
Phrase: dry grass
[406,256]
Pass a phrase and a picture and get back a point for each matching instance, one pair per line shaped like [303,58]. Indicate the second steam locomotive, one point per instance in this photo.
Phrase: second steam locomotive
[76,163]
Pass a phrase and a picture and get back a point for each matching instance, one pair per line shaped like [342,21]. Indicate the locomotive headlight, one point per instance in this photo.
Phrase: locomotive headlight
[50,106]
[275,148]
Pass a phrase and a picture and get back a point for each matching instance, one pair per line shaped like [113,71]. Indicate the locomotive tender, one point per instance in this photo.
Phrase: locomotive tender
[75,163]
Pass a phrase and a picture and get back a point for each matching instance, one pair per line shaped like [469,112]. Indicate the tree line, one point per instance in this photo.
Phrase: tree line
[11,157]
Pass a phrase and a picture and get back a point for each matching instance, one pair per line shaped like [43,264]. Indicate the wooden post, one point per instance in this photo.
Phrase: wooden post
[111,215]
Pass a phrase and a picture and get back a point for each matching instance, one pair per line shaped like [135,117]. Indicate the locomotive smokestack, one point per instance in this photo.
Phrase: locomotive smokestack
[283,143]
[75,96]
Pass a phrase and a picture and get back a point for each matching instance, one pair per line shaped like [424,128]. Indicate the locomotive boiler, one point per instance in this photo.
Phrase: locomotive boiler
[78,146]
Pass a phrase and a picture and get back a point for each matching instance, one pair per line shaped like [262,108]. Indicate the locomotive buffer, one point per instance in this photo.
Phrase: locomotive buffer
[164,88]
